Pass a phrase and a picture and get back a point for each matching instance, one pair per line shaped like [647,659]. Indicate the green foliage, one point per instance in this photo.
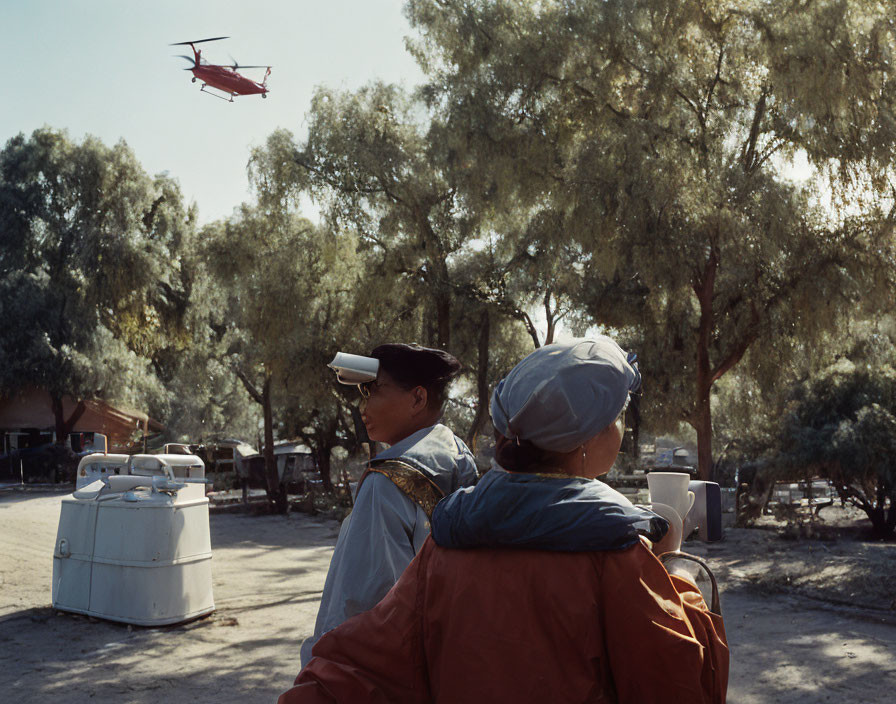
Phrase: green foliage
[655,135]
[380,174]
[282,300]
[206,401]
[93,290]
[377,162]
[843,426]
[620,164]
[277,277]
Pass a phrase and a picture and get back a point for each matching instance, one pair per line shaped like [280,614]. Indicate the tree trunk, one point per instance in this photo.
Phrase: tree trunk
[64,426]
[634,410]
[890,522]
[551,319]
[438,277]
[56,403]
[703,426]
[878,522]
[891,517]
[883,519]
[530,327]
[443,320]
[360,429]
[704,287]
[324,467]
[276,490]
[481,381]
[752,503]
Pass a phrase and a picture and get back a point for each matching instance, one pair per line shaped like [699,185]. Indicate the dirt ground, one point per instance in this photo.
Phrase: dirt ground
[795,635]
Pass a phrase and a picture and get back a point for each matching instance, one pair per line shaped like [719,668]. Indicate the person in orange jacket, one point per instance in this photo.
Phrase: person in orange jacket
[539,584]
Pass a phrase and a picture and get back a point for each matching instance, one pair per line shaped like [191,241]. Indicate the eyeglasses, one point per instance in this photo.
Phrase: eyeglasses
[369,387]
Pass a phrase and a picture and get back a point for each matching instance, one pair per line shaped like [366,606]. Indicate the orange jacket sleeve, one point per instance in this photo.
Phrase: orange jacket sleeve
[375,657]
[662,642]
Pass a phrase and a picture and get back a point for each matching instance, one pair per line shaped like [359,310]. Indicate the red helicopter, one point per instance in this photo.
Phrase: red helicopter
[224,78]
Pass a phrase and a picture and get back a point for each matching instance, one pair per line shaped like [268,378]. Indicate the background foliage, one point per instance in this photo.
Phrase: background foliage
[624,166]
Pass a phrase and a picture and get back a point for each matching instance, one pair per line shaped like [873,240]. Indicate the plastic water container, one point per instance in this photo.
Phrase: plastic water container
[135,546]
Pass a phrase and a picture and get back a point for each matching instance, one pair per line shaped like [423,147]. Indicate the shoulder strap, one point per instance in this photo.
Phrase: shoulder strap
[412,482]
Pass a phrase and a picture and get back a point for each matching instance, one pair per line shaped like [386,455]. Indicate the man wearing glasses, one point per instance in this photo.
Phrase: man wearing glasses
[404,388]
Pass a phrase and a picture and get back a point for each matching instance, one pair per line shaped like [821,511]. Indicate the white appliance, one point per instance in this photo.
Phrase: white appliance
[98,465]
[706,514]
[134,546]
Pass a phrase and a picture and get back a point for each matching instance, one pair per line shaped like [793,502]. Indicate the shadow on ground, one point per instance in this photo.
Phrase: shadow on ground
[785,651]
[268,573]
[272,532]
[99,661]
[16,494]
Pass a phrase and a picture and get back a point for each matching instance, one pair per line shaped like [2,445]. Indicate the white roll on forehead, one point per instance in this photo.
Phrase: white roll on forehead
[562,395]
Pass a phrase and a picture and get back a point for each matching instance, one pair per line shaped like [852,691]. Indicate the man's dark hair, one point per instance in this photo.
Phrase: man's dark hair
[411,365]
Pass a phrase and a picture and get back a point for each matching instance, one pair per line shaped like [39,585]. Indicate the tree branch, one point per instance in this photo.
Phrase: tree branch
[692,105]
[334,183]
[250,387]
[735,355]
[715,81]
[748,152]
[769,151]
[530,327]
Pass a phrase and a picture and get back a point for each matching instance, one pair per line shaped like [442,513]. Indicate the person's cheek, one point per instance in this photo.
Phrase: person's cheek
[378,412]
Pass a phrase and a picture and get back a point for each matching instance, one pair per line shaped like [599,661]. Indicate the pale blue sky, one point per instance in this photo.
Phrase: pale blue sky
[104,67]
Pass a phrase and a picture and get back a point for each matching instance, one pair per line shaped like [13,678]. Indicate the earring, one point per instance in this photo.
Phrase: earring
[584,455]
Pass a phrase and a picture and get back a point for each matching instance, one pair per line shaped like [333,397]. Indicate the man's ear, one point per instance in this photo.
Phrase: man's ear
[421,398]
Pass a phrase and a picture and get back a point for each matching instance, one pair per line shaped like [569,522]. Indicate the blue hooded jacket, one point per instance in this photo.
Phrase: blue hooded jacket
[542,512]
[438,454]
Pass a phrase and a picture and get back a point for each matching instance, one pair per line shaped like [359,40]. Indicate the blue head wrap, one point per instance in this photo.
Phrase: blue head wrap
[564,394]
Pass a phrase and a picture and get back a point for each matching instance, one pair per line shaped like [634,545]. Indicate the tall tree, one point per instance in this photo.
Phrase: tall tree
[383,173]
[658,133]
[380,166]
[91,285]
[842,426]
[282,284]
[499,281]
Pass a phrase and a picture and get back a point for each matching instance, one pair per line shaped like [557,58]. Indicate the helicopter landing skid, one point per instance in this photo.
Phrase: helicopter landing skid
[229,97]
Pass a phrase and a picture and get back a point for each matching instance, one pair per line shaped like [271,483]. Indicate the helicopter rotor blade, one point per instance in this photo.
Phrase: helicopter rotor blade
[188,58]
[241,66]
[199,41]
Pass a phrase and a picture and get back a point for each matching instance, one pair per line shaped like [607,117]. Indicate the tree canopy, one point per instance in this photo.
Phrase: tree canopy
[94,288]
[627,165]
[842,425]
[655,135]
